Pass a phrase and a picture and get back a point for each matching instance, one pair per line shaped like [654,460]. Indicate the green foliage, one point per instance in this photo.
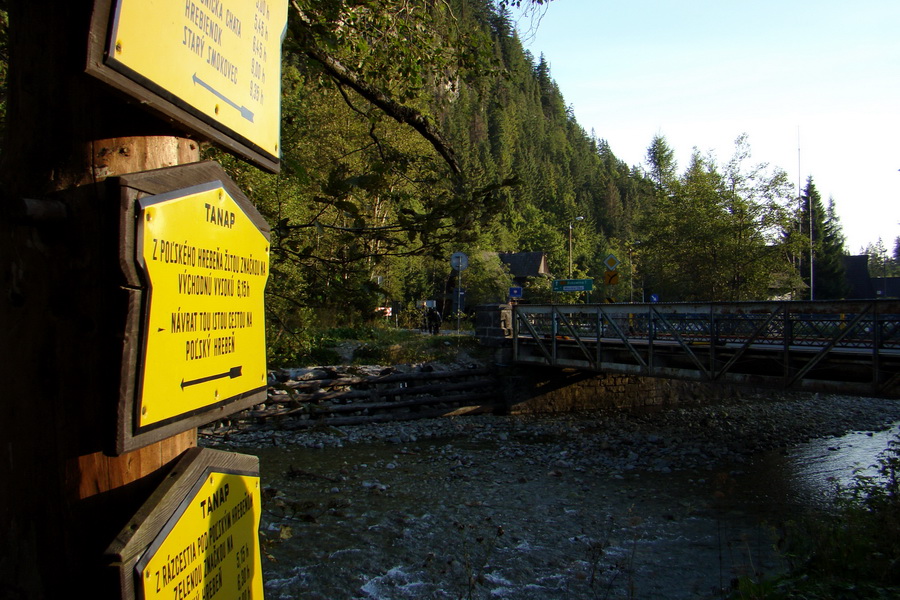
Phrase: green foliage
[850,552]
[817,231]
[377,344]
[406,347]
[370,204]
[712,234]
[882,264]
[487,280]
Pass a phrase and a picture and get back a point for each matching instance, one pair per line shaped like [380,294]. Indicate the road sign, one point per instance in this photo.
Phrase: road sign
[196,268]
[573,285]
[611,277]
[198,534]
[515,292]
[213,66]
[459,261]
[611,262]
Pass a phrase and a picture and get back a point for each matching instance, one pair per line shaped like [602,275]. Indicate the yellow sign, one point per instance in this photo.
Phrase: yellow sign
[611,262]
[209,549]
[221,58]
[611,277]
[204,338]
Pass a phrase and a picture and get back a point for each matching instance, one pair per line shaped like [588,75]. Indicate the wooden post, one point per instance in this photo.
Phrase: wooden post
[62,499]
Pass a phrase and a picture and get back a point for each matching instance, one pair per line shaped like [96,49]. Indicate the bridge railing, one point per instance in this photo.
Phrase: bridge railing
[720,341]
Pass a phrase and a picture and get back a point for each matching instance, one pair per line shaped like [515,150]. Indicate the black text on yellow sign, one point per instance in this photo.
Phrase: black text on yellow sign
[222,59]
[207,265]
[209,550]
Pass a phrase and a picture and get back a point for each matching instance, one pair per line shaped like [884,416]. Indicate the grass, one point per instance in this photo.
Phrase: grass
[379,345]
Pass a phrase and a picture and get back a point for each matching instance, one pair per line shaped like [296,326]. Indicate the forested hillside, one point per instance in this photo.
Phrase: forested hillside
[414,130]
[486,158]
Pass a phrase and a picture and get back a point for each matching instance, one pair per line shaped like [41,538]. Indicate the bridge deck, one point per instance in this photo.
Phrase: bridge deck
[845,347]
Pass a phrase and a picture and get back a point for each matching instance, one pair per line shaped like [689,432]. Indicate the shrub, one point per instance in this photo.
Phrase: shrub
[851,551]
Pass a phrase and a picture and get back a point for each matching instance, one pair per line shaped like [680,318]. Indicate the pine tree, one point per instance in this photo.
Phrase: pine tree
[820,229]
[663,166]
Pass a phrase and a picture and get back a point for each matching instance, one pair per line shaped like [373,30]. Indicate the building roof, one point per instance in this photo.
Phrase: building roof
[857,272]
[525,264]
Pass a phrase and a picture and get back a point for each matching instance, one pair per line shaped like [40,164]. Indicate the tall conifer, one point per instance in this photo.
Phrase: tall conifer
[825,246]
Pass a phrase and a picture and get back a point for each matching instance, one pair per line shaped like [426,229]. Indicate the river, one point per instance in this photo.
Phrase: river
[536,509]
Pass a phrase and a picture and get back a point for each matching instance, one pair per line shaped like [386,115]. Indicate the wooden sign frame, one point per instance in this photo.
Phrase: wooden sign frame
[164,103]
[132,188]
[160,513]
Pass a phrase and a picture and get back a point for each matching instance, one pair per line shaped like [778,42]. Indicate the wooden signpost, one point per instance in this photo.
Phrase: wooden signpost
[124,307]
[195,259]
[197,535]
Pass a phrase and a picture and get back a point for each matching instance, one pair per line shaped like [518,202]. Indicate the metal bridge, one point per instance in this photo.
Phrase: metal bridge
[850,347]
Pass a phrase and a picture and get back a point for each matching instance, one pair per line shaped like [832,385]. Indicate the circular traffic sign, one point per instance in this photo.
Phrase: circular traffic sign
[459,261]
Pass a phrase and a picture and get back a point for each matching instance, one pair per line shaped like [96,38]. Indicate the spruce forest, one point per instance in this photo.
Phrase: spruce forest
[414,130]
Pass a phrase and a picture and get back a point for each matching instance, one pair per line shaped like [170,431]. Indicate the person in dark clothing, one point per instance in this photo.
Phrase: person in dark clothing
[434,320]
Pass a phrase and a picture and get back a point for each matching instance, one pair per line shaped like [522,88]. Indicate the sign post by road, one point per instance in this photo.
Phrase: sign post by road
[459,261]
[200,264]
[573,285]
[213,67]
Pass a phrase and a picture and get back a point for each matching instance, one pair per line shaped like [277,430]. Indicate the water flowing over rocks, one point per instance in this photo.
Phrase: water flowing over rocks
[656,503]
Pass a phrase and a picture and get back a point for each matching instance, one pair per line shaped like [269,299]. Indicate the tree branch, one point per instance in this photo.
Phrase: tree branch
[397,111]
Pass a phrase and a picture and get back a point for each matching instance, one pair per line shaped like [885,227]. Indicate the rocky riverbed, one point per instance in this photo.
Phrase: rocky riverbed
[662,440]
[665,503]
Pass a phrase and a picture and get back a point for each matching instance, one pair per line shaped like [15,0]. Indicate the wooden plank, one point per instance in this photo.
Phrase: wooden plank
[355,407]
[392,378]
[405,416]
[383,392]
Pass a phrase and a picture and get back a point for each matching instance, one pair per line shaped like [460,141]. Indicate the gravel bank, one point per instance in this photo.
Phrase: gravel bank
[662,440]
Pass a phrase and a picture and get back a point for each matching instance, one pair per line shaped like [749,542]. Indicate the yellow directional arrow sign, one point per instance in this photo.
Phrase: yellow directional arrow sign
[204,338]
[213,65]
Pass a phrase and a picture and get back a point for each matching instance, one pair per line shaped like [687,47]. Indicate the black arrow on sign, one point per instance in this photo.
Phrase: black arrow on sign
[245,112]
[232,373]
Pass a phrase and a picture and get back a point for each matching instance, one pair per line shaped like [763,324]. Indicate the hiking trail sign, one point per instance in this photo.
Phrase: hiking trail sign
[197,536]
[199,259]
[212,66]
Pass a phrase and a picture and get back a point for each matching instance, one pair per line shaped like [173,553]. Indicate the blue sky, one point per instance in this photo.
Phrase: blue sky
[822,76]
